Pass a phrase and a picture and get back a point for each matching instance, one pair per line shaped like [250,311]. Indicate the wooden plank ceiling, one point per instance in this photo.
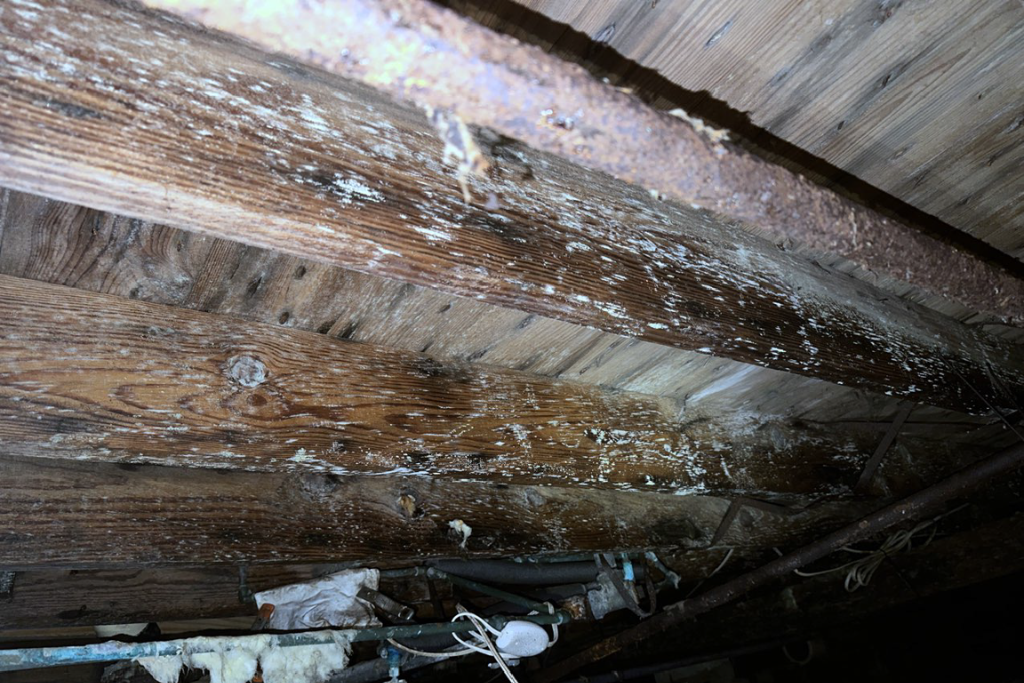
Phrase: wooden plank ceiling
[922,100]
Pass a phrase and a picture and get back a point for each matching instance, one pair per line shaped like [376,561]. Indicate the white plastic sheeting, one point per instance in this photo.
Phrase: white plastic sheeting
[323,603]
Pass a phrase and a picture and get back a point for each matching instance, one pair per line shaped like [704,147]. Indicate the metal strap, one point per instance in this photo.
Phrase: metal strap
[872,464]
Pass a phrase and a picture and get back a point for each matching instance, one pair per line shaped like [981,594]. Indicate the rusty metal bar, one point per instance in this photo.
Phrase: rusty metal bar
[432,56]
[734,509]
[884,445]
[912,507]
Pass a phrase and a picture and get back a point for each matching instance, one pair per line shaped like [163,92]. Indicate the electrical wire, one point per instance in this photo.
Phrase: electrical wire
[708,577]
[482,627]
[860,571]
[443,654]
[554,626]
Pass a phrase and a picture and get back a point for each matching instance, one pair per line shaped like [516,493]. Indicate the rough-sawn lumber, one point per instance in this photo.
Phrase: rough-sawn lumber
[96,377]
[417,51]
[125,110]
[74,515]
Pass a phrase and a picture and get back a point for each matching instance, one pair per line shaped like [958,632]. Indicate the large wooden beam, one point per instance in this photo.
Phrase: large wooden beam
[49,598]
[106,112]
[59,514]
[55,598]
[52,241]
[419,52]
[95,377]
[69,598]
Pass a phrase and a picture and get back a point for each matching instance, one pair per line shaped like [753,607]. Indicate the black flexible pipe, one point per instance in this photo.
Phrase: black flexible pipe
[526,573]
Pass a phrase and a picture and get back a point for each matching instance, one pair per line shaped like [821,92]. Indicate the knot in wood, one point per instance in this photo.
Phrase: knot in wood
[247,371]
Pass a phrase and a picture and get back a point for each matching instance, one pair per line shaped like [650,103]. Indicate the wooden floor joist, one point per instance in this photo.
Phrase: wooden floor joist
[52,241]
[96,377]
[55,598]
[58,514]
[62,598]
[124,110]
[420,52]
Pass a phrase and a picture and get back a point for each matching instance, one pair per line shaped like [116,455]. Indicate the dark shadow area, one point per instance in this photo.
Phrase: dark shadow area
[603,61]
[968,634]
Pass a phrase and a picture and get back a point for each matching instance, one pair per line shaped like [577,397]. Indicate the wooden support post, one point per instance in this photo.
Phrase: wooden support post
[95,377]
[105,111]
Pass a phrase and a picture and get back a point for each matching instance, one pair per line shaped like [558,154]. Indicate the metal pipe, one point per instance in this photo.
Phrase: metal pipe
[549,594]
[526,574]
[40,657]
[394,609]
[553,559]
[912,507]
[406,573]
[376,670]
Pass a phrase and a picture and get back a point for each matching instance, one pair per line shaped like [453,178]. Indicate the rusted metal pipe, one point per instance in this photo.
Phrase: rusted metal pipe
[912,507]
[433,57]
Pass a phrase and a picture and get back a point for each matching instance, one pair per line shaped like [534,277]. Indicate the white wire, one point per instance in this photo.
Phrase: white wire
[444,654]
[482,627]
[476,619]
[554,626]
[708,577]
[471,646]
[860,571]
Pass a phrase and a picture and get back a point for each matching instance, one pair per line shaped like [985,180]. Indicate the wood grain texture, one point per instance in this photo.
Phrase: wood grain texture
[51,241]
[919,99]
[249,146]
[426,55]
[64,600]
[69,599]
[57,598]
[73,515]
[94,377]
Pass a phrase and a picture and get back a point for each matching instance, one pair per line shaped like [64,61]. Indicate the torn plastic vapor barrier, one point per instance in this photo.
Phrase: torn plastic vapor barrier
[330,601]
